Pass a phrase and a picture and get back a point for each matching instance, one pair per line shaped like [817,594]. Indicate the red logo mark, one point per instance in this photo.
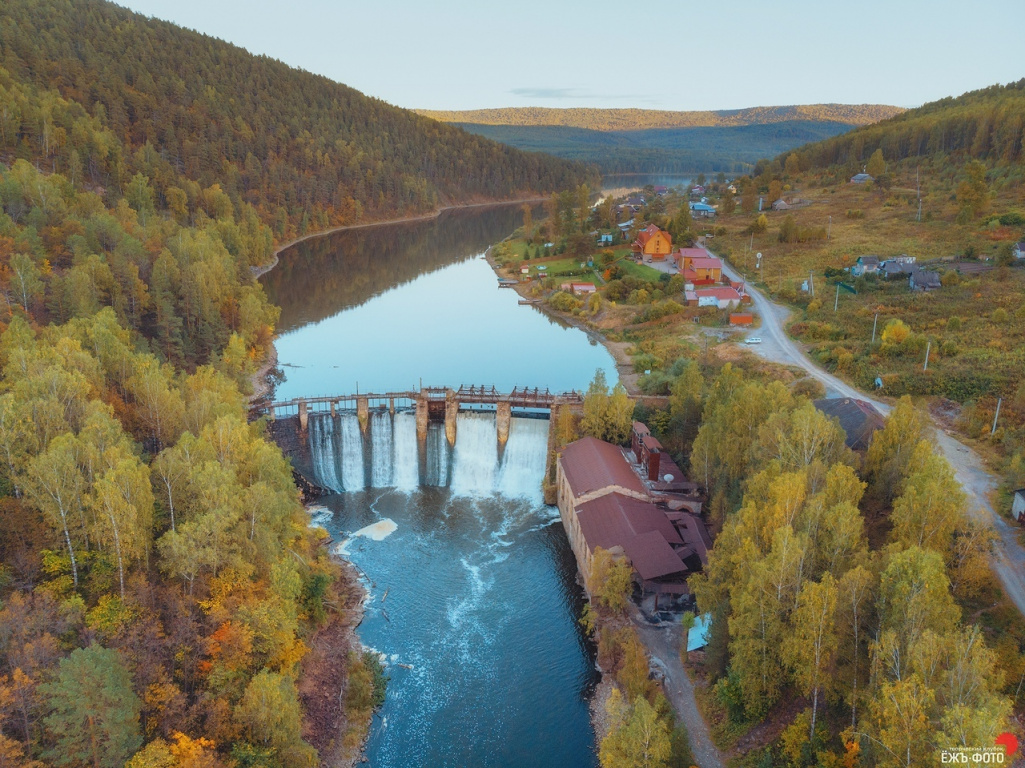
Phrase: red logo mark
[1009,743]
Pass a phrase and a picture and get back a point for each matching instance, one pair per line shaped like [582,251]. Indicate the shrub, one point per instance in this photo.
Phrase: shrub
[954,323]
[564,302]
[949,278]
[659,310]
[616,290]
[645,361]
[855,213]
[367,682]
[895,332]
[655,383]
[611,580]
[809,387]
[1000,316]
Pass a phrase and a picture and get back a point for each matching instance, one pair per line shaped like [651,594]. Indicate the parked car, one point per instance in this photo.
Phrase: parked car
[753,340]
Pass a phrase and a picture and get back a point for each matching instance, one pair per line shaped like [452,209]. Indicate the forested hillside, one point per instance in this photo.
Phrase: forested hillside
[190,111]
[987,124]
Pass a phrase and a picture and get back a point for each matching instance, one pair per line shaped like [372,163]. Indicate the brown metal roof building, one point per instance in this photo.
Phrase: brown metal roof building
[603,503]
[591,465]
[858,419]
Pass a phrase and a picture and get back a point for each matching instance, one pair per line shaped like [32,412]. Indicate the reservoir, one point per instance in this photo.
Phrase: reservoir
[473,595]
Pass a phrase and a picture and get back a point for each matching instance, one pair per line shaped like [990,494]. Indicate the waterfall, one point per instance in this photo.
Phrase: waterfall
[323,452]
[406,467]
[523,463]
[381,450]
[351,444]
[329,470]
[390,457]
[475,459]
[436,461]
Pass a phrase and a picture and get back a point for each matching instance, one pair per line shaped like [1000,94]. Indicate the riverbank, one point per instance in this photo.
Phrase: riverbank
[258,272]
[324,675]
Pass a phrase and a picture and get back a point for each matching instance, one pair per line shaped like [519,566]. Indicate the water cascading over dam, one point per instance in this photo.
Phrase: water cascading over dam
[388,455]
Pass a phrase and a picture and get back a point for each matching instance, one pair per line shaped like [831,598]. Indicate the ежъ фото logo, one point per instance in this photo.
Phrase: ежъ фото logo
[999,754]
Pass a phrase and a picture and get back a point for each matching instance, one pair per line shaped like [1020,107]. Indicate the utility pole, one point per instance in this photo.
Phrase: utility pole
[996,416]
[918,188]
[836,303]
[873,326]
[927,348]
[829,228]
[811,283]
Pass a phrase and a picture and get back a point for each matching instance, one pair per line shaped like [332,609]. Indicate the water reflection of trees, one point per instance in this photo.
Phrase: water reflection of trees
[321,277]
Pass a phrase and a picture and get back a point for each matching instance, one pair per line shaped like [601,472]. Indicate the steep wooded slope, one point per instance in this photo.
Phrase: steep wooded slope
[987,124]
[306,152]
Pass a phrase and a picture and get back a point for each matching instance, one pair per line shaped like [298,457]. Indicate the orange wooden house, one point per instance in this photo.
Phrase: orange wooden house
[698,266]
[652,243]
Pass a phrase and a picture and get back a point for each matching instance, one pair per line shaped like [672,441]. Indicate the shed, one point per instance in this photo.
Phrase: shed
[1018,504]
[741,318]
[697,637]
[923,280]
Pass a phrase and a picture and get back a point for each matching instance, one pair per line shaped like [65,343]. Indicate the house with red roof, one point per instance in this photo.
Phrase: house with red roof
[698,267]
[719,296]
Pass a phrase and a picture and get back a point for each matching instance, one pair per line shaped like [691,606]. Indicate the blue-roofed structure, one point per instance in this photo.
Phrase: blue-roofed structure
[698,635]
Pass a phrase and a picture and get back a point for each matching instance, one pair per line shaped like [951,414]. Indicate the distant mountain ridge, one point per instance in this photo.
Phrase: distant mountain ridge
[646,119]
[660,141]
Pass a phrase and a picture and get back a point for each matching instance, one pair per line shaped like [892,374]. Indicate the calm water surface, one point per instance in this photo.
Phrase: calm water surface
[620,184]
[386,307]
[475,590]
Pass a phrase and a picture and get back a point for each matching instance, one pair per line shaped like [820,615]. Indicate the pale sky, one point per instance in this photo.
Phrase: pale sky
[661,54]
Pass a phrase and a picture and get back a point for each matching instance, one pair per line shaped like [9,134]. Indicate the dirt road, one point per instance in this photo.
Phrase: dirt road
[1008,560]
[663,644]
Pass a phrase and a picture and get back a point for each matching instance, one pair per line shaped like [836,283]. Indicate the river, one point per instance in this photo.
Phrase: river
[472,582]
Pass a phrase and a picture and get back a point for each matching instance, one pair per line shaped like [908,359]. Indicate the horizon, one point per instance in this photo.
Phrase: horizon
[593,69]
